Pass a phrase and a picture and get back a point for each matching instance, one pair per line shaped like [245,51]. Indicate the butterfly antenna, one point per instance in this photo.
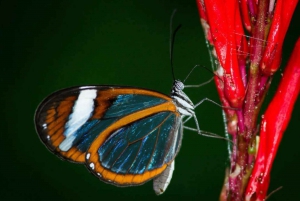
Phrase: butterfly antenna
[190,72]
[172,39]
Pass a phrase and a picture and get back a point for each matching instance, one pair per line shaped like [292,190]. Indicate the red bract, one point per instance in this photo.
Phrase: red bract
[245,14]
[273,125]
[282,17]
[221,16]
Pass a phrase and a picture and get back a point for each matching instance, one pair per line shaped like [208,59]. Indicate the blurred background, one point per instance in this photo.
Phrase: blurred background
[49,45]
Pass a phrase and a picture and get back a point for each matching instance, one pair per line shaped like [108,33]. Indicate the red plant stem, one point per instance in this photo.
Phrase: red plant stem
[242,65]
[257,52]
[241,124]
[274,123]
[252,9]
[247,131]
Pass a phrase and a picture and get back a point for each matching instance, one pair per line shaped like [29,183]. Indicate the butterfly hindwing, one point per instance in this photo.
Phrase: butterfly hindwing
[136,152]
[131,133]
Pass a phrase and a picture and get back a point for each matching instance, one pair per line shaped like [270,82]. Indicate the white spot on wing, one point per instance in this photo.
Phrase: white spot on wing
[88,156]
[92,165]
[82,111]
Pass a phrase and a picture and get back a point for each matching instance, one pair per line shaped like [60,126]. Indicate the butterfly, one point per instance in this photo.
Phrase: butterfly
[125,136]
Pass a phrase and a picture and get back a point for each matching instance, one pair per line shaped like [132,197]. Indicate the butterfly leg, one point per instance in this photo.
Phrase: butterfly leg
[189,128]
[206,134]
[203,133]
[187,119]
[207,99]
[199,85]
[197,129]
[199,103]
[191,114]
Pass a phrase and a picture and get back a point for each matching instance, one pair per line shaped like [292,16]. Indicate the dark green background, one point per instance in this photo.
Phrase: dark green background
[48,45]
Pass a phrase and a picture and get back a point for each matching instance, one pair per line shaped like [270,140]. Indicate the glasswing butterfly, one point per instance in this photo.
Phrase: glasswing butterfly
[125,136]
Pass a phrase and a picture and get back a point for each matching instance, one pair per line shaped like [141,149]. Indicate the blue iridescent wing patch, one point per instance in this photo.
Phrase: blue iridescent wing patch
[143,145]
[136,149]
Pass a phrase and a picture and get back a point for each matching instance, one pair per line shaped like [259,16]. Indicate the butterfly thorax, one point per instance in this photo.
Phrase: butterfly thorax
[184,105]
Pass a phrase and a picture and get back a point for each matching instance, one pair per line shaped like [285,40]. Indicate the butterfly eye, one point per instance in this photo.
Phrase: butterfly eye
[178,85]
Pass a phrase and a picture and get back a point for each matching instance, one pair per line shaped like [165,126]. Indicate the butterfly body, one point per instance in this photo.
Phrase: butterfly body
[126,136]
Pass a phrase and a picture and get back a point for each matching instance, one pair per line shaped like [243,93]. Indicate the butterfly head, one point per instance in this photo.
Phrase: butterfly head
[177,86]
